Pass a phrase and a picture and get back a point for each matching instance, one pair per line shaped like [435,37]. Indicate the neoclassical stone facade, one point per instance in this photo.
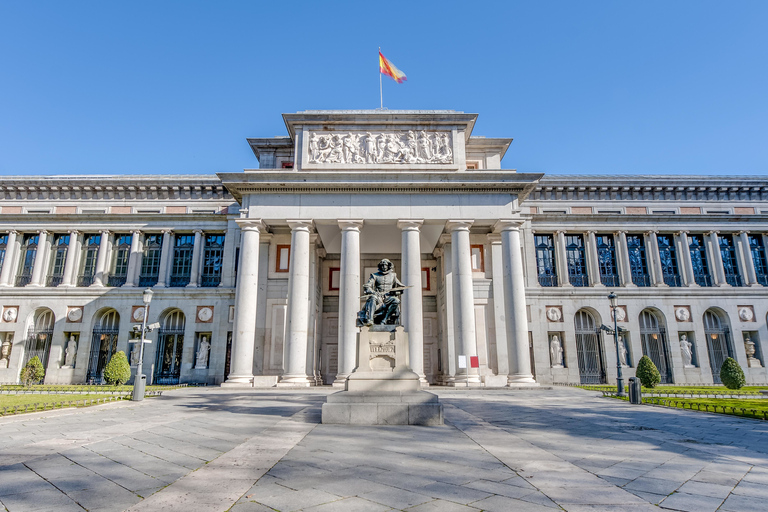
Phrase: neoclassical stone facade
[257,274]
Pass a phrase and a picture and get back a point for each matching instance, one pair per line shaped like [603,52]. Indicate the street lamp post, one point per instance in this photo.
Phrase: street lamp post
[619,379]
[139,382]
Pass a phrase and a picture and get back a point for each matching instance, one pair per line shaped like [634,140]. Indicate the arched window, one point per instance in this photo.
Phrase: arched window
[718,342]
[103,344]
[588,348]
[39,337]
[170,345]
[653,338]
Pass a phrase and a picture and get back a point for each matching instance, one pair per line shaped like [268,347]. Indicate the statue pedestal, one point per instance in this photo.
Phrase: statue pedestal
[383,390]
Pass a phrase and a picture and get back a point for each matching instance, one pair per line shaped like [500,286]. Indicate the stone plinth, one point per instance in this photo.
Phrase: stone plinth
[383,390]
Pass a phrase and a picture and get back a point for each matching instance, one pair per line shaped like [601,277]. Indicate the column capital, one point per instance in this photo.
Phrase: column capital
[560,232]
[301,224]
[13,232]
[350,224]
[135,231]
[508,225]
[651,232]
[712,232]
[197,231]
[167,231]
[681,232]
[590,232]
[251,225]
[410,224]
[621,232]
[43,232]
[494,238]
[459,225]
[104,232]
[743,231]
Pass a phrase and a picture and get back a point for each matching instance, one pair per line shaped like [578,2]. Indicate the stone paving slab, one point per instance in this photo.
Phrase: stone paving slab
[264,450]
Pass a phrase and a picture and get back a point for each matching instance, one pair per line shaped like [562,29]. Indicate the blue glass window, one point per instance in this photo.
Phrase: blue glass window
[699,260]
[122,257]
[668,258]
[606,258]
[90,254]
[637,260]
[577,265]
[28,255]
[3,247]
[757,248]
[212,260]
[545,260]
[183,247]
[150,262]
[730,267]
[58,260]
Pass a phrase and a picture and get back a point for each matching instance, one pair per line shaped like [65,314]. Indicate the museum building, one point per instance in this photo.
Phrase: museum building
[258,275]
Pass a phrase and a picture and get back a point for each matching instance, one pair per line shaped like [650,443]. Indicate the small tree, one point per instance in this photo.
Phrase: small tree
[33,372]
[731,374]
[647,372]
[117,371]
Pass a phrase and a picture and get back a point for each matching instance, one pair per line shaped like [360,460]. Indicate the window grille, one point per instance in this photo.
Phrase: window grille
[668,258]
[545,260]
[212,260]
[27,259]
[588,349]
[150,261]
[654,342]
[90,254]
[718,343]
[39,336]
[122,257]
[58,260]
[183,248]
[699,260]
[606,257]
[638,264]
[730,267]
[757,249]
[169,350]
[575,256]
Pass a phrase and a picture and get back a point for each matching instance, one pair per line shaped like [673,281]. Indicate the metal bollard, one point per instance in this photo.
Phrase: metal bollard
[635,394]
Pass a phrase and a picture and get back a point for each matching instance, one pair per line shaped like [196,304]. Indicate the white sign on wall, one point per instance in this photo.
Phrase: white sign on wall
[462,361]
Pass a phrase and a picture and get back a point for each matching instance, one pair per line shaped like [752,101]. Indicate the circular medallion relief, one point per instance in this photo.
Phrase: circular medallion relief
[554,314]
[138,314]
[75,314]
[10,315]
[746,314]
[621,315]
[682,314]
[205,314]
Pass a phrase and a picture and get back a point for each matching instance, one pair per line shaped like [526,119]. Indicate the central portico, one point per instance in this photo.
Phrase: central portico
[346,189]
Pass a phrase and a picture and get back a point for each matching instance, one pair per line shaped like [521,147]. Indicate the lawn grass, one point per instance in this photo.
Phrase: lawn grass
[687,390]
[744,407]
[18,404]
[14,400]
[62,388]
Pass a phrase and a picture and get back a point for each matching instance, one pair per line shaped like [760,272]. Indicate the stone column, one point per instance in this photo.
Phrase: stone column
[297,314]
[593,259]
[561,259]
[134,260]
[101,259]
[349,298]
[11,248]
[67,281]
[654,258]
[38,270]
[244,333]
[196,255]
[716,258]
[514,303]
[622,259]
[747,263]
[463,298]
[684,250]
[499,313]
[413,319]
[165,251]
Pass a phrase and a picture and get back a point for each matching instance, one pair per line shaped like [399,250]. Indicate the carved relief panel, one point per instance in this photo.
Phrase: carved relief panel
[376,147]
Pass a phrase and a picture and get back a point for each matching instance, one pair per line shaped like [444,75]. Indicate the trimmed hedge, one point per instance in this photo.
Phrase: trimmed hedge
[118,371]
[647,372]
[33,372]
[731,374]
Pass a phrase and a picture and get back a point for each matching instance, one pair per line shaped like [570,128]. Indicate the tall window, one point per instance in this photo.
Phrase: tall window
[606,258]
[27,259]
[668,258]
[577,265]
[637,260]
[212,259]
[90,254]
[183,247]
[119,274]
[699,260]
[58,260]
[150,261]
[757,248]
[545,260]
[730,267]
[3,247]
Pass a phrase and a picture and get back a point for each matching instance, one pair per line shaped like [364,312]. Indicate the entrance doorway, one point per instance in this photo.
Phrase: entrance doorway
[589,349]
[103,345]
[169,347]
[654,341]
[718,343]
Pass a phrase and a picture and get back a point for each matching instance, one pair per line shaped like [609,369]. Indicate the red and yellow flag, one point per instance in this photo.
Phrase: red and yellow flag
[390,70]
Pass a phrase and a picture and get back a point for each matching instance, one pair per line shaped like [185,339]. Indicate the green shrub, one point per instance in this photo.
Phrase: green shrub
[33,372]
[118,371]
[647,372]
[731,374]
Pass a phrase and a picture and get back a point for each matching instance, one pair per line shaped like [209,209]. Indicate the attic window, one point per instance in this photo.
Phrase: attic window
[609,211]
[719,212]
[473,165]
[287,165]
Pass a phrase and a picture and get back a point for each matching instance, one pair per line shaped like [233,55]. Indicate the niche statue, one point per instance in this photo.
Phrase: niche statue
[382,297]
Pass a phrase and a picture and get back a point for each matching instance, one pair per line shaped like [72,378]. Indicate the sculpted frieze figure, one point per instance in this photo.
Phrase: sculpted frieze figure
[382,293]
[380,148]
[202,353]
[556,351]
[685,349]
[70,352]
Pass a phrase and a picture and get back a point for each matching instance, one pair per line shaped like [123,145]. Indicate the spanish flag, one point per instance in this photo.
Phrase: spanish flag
[390,70]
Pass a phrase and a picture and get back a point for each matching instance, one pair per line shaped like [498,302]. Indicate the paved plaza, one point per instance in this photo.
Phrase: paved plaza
[263,450]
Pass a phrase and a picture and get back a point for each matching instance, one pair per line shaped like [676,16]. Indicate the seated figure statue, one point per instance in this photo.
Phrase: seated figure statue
[382,305]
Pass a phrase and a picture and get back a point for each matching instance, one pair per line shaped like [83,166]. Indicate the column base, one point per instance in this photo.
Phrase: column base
[34,285]
[294,381]
[340,381]
[5,285]
[755,285]
[238,381]
[192,285]
[67,285]
[94,285]
[524,379]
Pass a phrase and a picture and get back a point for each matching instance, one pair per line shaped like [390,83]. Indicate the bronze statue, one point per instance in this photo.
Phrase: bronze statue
[382,293]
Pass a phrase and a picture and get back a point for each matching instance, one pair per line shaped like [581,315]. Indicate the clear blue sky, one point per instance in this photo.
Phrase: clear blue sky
[609,87]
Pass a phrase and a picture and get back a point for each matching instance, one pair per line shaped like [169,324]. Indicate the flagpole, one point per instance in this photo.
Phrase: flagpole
[381,90]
